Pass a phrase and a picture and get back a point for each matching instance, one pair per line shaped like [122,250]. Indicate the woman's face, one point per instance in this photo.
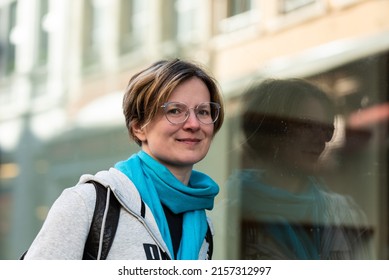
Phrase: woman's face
[307,135]
[179,146]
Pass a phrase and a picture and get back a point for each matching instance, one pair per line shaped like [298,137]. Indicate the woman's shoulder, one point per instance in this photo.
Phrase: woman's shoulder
[84,191]
[117,182]
[78,198]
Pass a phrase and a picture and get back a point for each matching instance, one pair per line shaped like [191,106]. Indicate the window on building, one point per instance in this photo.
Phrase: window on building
[287,6]
[133,24]
[312,178]
[92,34]
[236,7]
[169,23]
[181,22]
[8,38]
[43,38]
[188,20]
[239,14]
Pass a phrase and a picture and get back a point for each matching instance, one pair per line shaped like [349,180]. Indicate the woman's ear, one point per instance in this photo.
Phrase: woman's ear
[139,132]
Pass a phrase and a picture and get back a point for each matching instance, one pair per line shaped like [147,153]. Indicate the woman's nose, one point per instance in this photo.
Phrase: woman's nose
[192,120]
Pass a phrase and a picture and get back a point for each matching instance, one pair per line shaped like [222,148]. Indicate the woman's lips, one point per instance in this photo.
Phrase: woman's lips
[189,140]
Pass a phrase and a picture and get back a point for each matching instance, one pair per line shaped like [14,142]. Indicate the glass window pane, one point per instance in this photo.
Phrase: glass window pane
[133,24]
[188,20]
[313,165]
[236,7]
[287,6]
[43,38]
[7,36]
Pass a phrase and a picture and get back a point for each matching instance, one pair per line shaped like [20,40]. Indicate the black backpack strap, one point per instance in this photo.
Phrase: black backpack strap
[23,255]
[209,239]
[111,222]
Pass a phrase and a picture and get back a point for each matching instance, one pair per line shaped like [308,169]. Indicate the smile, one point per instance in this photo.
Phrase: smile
[189,140]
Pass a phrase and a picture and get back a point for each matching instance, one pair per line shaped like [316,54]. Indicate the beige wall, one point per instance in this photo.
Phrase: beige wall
[236,56]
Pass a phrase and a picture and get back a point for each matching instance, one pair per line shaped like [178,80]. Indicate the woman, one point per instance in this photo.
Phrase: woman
[286,210]
[172,110]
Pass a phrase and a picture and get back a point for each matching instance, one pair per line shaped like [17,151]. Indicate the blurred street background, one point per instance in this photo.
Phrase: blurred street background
[64,65]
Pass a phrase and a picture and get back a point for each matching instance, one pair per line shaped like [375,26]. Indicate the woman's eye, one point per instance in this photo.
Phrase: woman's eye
[204,112]
[174,111]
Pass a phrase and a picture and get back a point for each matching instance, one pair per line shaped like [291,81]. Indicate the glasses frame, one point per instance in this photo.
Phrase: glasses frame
[187,112]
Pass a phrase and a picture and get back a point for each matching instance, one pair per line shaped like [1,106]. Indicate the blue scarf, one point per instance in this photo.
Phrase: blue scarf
[157,186]
[284,212]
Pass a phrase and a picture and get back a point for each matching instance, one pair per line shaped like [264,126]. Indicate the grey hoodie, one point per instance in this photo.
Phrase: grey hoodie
[66,227]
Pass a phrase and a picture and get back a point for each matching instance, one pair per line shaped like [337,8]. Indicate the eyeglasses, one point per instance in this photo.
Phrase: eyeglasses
[319,129]
[177,112]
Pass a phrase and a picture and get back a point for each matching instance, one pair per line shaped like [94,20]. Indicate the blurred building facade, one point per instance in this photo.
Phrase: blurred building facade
[65,63]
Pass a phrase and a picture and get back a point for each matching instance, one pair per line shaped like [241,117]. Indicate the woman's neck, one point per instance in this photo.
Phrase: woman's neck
[181,173]
[288,180]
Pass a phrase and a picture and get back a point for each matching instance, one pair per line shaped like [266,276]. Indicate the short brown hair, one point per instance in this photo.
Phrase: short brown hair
[150,88]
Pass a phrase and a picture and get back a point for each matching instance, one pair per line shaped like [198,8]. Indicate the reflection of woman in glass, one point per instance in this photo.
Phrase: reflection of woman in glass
[286,211]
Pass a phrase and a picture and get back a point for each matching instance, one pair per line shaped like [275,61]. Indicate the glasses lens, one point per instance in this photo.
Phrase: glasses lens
[208,112]
[175,112]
